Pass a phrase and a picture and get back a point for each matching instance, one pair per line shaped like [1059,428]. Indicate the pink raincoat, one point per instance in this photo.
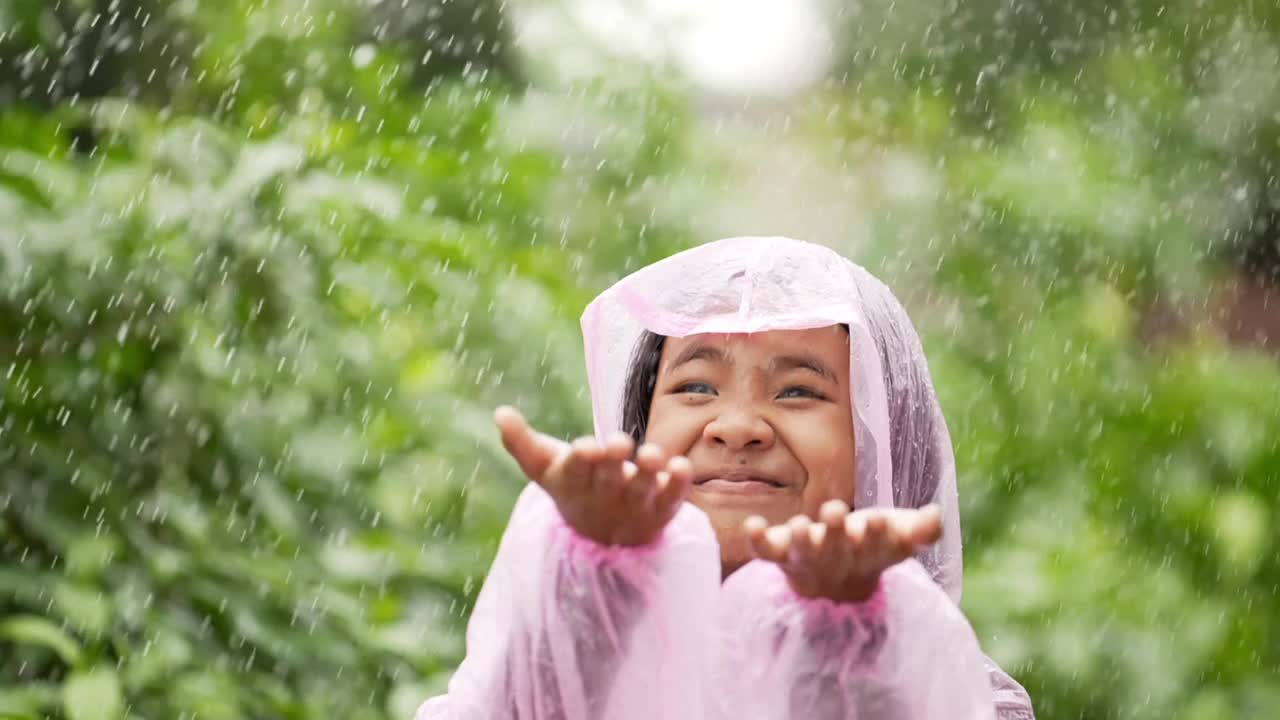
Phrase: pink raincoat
[567,629]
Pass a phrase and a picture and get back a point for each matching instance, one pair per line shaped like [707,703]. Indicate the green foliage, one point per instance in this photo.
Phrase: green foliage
[212,56]
[1117,500]
[248,467]
[1118,492]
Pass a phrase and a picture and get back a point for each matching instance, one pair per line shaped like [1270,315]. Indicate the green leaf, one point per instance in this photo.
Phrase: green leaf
[158,660]
[84,606]
[91,553]
[93,695]
[208,694]
[31,700]
[32,630]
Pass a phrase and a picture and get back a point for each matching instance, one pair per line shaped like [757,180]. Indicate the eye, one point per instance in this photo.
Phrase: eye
[696,388]
[801,391]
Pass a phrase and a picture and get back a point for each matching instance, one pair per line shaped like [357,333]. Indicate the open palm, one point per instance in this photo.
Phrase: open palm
[600,492]
[841,556]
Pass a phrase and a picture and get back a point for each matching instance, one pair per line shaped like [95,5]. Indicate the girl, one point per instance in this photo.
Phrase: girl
[718,571]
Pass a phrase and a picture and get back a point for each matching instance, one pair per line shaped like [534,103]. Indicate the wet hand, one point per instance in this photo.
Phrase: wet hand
[599,491]
[840,557]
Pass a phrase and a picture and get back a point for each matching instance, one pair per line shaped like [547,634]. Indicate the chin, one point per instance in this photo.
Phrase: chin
[730,510]
[734,549]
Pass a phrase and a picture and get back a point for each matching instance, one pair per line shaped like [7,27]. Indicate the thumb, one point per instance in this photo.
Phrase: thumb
[532,451]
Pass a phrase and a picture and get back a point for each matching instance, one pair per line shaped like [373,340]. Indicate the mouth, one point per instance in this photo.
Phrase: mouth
[738,480]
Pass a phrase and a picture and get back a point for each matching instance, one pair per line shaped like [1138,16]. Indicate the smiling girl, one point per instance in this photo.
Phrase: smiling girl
[764,525]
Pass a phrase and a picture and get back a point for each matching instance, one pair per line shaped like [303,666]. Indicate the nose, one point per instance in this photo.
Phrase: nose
[739,428]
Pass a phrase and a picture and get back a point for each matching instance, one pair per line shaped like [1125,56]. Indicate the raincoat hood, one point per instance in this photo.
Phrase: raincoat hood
[755,284]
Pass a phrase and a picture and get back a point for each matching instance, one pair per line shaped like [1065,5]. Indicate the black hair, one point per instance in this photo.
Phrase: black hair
[642,378]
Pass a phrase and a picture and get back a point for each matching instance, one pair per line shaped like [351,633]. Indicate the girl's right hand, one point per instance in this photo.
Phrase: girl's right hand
[600,493]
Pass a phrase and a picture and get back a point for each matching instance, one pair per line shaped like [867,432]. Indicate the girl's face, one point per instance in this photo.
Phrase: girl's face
[764,418]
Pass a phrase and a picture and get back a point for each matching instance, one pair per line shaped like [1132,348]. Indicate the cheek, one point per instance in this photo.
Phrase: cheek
[672,427]
[829,462]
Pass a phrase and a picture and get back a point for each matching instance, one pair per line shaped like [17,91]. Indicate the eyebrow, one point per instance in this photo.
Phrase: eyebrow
[803,361]
[781,363]
[699,351]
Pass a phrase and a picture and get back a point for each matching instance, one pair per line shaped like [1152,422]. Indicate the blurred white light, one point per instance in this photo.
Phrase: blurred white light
[736,47]
[363,55]
[754,47]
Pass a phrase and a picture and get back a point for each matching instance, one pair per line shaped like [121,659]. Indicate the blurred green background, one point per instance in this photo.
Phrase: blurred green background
[267,265]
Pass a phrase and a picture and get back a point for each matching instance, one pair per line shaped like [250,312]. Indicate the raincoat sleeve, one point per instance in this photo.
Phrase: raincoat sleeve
[567,629]
[906,653]
[1012,700]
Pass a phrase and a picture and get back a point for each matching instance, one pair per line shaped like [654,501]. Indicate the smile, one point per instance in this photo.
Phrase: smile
[738,481]
[739,487]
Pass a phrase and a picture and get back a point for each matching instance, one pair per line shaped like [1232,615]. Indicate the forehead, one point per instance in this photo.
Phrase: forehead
[828,344]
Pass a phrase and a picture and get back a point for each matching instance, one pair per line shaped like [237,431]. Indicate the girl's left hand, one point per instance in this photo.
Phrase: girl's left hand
[841,556]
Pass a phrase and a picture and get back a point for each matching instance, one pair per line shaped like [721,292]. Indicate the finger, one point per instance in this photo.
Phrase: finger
[777,541]
[886,542]
[801,557]
[754,526]
[818,535]
[832,542]
[619,447]
[637,486]
[680,467]
[835,542]
[873,543]
[610,474]
[650,458]
[769,543]
[588,450]
[819,549]
[894,542]
[880,543]
[802,547]
[753,529]
[907,528]
[673,484]
[928,525]
[659,499]
[877,525]
[855,528]
[907,531]
[532,451]
[642,475]
[574,474]
[832,513]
